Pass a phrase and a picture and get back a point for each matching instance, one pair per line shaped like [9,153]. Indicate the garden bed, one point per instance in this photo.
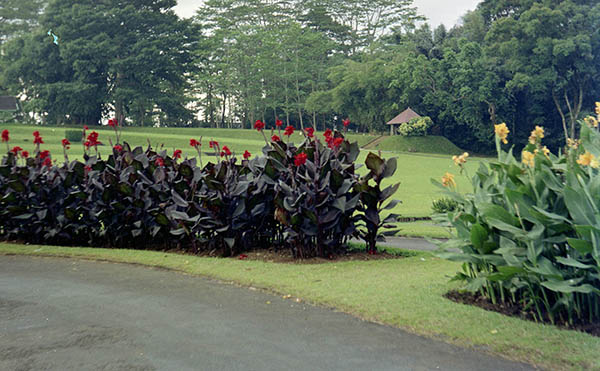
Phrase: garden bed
[285,256]
[515,311]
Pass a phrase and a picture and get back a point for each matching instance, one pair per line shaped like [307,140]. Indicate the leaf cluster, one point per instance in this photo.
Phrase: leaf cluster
[529,234]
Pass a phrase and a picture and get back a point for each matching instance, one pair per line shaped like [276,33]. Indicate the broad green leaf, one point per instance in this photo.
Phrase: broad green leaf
[478,236]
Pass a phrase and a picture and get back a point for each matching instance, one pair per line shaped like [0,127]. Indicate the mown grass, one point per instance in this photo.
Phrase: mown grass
[406,293]
[427,144]
[414,173]
[422,229]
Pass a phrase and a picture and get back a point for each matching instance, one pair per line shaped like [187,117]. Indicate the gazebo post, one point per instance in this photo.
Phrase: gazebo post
[391,130]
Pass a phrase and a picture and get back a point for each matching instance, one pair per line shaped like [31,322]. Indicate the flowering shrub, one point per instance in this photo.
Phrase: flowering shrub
[416,127]
[307,198]
[529,234]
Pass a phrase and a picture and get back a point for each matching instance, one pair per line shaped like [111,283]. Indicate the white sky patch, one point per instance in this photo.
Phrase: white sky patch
[447,12]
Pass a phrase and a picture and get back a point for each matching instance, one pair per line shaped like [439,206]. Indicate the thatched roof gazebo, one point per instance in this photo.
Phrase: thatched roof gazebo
[402,118]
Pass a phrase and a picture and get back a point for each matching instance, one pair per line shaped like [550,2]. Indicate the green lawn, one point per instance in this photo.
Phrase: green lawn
[423,229]
[428,144]
[406,293]
[414,173]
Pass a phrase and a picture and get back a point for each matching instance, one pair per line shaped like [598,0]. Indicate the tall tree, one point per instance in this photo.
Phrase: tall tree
[132,59]
[551,50]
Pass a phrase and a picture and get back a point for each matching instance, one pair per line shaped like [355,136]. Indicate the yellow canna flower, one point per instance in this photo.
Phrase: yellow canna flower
[460,160]
[546,151]
[448,180]
[598,108]
[528,158]
[502,132]
[591,121]
[587,159]
[573,143]
[537,133]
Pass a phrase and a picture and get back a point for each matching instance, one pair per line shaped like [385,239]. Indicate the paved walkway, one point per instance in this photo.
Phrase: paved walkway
[408,243]
[62,314]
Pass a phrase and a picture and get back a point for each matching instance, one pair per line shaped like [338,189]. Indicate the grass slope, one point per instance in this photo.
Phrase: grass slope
[406,293]
[427,144]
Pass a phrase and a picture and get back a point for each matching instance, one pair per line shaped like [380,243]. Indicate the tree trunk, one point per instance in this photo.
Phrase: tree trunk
[575,108]
[562,115]
[120,105]
[224,108]
[211,111]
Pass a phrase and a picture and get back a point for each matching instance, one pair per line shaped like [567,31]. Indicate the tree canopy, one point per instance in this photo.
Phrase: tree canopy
[308,63]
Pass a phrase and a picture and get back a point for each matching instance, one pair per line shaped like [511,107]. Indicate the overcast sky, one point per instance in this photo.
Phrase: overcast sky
[447,12]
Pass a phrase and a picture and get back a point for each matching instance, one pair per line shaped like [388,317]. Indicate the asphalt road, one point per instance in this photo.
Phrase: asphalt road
[61,314]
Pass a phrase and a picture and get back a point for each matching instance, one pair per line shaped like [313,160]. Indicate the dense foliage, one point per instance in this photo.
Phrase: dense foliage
[130,58]
[307,198]
[529,234]
[417,127]
[307,63]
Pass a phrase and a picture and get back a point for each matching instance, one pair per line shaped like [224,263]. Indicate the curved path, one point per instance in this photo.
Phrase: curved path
[62,314]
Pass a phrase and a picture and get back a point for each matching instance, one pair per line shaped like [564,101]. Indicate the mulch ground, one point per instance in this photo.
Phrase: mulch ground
[515,311]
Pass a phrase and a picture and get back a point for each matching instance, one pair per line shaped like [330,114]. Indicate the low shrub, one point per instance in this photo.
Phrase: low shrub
[529,234]
[73,135]
[416,127]
[444,205]
[307,198]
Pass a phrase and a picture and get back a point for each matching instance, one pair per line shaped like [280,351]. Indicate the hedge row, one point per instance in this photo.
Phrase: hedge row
[306,198]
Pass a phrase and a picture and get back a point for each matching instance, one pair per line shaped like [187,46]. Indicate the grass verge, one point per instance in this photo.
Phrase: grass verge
[426,144]
[405,293]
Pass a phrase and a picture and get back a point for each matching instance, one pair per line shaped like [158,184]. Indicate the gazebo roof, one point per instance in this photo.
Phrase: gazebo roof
[404,117]
[8,103]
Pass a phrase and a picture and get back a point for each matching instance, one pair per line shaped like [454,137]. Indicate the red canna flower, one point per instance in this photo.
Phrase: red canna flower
[37,138]
[278,123]
[113,123]
[159,161]
[47,162]
[118,148]
[87,144]
[226,150]
[247,155]
[85,127]
[346,122]
[194,143]
[5,136]
[328,133]
[222,154]
[177,154]
[44,155]
[300,159]
[66,143]
[275,138]
[337,142]
[259,125]
[289,130]
[213,144]
[24,154]
[243,257]
[93,139]
[310,132]
[16,150]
